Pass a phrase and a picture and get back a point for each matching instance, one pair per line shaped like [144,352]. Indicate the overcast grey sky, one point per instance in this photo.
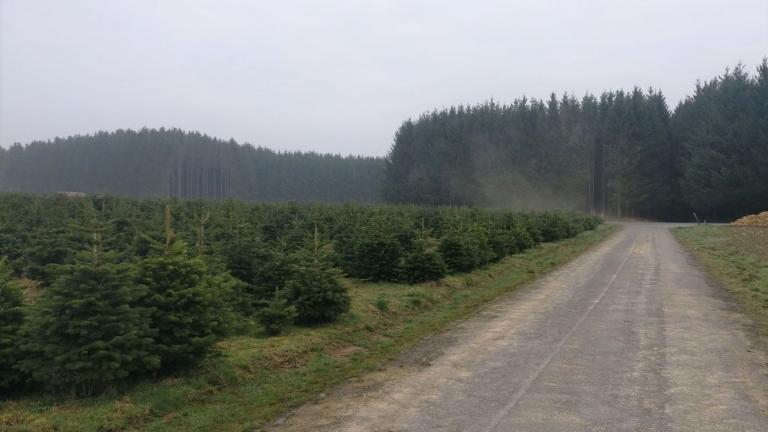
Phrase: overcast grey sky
[341,75]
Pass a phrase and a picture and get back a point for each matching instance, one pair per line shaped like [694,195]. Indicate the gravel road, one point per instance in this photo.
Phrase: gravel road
[631,336]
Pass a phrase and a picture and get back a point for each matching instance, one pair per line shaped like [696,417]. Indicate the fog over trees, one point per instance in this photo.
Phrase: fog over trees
[623,153]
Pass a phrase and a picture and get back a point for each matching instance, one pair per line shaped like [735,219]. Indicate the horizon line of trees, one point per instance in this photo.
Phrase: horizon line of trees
[621,153]
[178,164]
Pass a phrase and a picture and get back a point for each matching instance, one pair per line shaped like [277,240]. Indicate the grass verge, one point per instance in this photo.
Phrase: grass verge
[256,379]
[737,256]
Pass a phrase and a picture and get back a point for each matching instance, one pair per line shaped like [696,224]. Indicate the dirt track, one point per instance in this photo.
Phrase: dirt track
[628,337]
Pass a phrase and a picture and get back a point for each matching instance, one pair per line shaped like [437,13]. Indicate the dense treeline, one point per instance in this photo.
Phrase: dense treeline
[623,153]
[174,163]
[723,129]
[100,291]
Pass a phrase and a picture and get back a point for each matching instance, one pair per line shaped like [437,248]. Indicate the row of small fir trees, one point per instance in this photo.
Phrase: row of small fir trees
[104,322]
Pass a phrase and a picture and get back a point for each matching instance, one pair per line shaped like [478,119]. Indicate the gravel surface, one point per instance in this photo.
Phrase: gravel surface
[630,336]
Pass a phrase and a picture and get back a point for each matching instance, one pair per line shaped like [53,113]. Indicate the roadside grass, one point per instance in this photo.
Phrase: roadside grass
[257,378]
[737,256]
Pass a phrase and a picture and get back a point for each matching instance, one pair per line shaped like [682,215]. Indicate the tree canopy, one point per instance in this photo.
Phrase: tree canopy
[175,163]
[622,153]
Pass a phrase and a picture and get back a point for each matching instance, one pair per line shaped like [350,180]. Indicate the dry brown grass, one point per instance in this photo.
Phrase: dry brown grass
[32,290]
[756,220]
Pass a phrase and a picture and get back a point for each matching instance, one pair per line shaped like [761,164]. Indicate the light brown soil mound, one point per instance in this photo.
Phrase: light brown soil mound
[760,220]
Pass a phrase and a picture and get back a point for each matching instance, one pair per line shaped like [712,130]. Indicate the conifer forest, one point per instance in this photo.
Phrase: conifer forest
[131,256]
[620,153]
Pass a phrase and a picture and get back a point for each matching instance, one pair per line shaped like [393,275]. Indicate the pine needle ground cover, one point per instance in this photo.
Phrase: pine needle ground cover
[255,369]
[737,256]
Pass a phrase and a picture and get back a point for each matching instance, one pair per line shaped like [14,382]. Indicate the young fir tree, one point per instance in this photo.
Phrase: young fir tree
[259,265]
[187,310]
[374,252]
[86,332]
[11,318]
[314,286]
[460,251]
[423,262]
[276,314]
[517,236]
